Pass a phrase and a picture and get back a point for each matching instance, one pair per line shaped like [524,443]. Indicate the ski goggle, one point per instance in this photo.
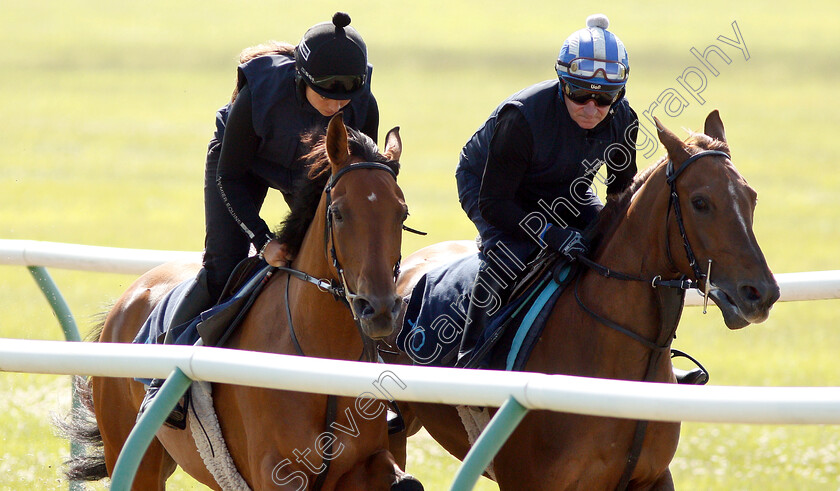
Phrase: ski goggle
[339,83]
[579,95]
[586,68]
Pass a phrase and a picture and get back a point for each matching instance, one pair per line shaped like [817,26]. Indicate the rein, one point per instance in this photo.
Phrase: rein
[668,302]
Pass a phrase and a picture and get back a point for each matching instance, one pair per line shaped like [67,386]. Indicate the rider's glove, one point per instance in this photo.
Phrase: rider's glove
[567,240]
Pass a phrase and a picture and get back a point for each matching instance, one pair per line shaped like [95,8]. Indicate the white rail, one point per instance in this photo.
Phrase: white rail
[816,285]
[87,258]
[612,398]
[660,402]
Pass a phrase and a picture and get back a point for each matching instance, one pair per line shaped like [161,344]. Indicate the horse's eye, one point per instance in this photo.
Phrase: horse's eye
[336,213]
[405,216]
[700,204]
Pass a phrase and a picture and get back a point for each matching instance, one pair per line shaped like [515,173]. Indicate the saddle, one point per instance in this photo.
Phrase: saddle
[436,313]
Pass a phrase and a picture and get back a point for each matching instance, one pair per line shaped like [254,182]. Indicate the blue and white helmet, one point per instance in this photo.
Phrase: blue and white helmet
[594,58]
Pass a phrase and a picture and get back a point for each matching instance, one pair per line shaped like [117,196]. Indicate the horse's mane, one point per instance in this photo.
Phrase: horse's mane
[602,229]
[265,49]
[308,190]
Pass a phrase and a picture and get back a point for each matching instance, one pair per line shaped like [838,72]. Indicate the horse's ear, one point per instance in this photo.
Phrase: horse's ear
[337,150]
[393,144]
[676,148]
[714,126]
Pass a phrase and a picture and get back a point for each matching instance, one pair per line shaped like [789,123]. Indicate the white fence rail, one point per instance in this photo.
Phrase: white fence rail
[662,402]
[638,400]
[817,285]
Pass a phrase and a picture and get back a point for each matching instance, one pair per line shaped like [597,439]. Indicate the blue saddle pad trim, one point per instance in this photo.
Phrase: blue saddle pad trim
[528,322]
[544,300]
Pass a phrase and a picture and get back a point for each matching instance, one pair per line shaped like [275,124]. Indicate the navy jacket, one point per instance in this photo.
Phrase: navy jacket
[562,159]
[280,114]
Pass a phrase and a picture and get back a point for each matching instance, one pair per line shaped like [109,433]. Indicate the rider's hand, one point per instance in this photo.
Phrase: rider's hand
[277,254]
[569,241]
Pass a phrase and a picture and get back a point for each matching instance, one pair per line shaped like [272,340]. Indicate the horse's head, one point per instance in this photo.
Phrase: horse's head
[716,206]
[365,215]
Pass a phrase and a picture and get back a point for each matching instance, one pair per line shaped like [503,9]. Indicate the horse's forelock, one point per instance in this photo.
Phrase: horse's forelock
[699,142]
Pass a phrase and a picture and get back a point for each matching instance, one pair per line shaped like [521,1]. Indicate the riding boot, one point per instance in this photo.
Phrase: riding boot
[195,300]
[696,376]
[177,419]
[486,298]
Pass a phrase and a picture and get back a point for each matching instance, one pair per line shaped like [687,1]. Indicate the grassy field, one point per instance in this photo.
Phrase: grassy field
[107,108]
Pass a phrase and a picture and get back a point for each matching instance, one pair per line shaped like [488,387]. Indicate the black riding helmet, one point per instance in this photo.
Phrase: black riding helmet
[332,59]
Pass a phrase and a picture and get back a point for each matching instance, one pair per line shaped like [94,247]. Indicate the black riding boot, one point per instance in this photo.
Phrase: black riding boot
[696,376]
[196,300]
[487,296]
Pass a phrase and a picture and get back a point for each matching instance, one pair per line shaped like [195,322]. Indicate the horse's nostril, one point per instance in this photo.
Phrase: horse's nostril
[750,293]
[363,308]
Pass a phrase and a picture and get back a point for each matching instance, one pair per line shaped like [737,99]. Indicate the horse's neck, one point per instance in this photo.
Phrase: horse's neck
[637,247]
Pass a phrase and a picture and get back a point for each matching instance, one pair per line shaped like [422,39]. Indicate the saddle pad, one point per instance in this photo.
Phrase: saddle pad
[155,326]
[436,314]
[211,325]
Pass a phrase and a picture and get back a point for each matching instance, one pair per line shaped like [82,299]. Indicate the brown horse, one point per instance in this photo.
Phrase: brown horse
[275,437]
[619,328]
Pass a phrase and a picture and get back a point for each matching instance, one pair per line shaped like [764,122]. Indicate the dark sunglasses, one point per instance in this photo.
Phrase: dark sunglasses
[340,83]
[582,96]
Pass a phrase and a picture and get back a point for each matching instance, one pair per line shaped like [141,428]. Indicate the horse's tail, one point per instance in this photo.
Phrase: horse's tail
[81,428]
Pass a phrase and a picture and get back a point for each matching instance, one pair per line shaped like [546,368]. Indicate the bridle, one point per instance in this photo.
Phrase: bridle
[337,288]
[682,283]
[341,291]
[669,325]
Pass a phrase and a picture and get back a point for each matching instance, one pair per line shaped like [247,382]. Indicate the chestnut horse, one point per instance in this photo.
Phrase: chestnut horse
[620,326]
[353,242]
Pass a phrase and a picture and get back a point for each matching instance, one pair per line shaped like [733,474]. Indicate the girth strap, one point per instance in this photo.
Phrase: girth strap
[332,405]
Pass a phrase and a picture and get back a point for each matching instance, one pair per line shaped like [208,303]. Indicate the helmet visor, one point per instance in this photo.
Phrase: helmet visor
[587,68]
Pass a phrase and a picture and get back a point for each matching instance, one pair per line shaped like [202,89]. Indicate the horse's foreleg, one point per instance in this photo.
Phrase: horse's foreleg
[379,473]
[115,415]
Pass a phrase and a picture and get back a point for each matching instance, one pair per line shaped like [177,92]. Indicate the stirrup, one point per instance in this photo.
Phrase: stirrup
[696,376]
[177,419]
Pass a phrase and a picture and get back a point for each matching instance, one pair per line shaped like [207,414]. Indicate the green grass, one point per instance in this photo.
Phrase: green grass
[108,106]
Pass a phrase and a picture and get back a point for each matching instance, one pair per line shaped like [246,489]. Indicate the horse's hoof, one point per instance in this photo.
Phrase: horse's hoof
[407,483]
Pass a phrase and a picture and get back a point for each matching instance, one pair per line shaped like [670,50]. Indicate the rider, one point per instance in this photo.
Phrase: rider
[282,91]
[525,177]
